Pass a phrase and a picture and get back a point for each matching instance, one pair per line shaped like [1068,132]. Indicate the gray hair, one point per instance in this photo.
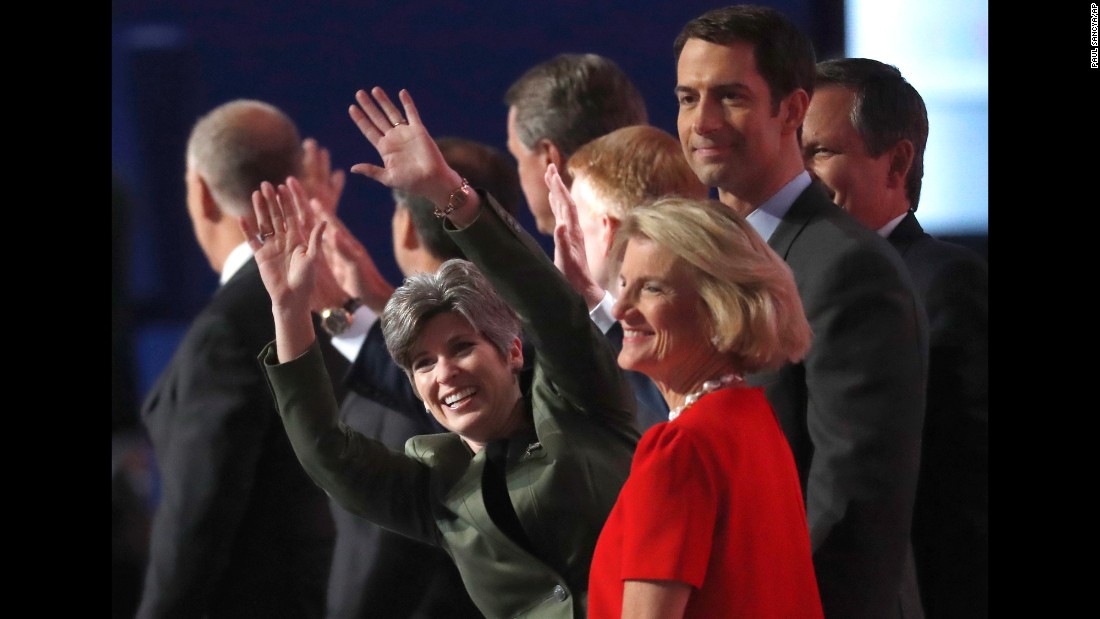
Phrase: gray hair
[572,99]
[240,144]
[748,291]
[457,286]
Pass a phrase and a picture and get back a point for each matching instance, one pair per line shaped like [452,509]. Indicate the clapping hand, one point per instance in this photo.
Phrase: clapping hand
[569,249]
[321,182]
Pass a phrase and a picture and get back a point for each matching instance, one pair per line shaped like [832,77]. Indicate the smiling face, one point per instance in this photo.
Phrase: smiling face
[465,382]
[666,333]
[728,131]
[836,154]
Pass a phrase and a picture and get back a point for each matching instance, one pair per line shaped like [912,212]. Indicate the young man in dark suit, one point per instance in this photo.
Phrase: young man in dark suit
[864,138]
[853,409]
[240,530]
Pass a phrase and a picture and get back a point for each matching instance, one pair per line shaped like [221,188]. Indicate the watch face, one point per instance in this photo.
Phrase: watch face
[336,320]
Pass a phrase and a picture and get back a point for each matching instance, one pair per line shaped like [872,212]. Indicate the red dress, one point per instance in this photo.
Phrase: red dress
[713,500]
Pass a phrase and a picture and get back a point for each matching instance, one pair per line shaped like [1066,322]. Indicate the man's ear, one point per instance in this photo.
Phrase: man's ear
[792,110]
[406,229]
[210,210]
[608,226]
[550,153]
[901,159]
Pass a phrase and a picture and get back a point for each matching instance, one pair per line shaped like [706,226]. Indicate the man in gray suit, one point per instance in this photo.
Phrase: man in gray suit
[864,138]
[853,409]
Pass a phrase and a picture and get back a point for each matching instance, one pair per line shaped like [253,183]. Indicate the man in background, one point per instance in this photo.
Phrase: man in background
[864,138]
[556,107]
[853,409]
[240,530]
[611,175]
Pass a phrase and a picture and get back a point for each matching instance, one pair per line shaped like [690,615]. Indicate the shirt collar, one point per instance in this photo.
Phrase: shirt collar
[234,261]
[765,219]
[888,229]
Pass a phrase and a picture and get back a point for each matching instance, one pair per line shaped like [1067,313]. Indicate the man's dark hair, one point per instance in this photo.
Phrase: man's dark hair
[572,99]
[486,168]
[784,56]
[886,109]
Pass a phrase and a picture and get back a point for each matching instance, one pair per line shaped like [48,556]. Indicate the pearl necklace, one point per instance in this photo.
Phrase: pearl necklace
[710,385]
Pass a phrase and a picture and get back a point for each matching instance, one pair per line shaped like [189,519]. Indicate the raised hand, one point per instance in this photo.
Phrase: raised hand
[321,182]
[350,262]
[569,249]
[327,289]
[410,158]
[286,244]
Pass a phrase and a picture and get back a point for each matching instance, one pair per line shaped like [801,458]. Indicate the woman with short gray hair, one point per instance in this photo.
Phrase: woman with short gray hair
[518,491]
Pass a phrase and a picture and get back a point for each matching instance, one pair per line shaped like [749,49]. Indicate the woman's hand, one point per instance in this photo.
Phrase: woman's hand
[286,244]
[411,160]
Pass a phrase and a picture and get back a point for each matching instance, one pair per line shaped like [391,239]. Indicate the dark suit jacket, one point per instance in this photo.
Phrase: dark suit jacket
[951,517]
[240,530]
[854,408]
[562,477]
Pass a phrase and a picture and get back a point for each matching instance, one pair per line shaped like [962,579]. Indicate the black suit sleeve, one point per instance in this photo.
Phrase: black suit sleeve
[865,378]
[206,467]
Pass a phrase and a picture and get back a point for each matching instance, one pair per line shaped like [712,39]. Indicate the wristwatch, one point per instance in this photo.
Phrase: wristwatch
[336,320]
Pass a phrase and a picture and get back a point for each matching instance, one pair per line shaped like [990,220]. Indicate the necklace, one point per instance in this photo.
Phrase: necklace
[708,386]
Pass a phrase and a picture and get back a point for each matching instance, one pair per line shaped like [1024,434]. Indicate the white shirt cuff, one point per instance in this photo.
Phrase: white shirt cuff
[601,314]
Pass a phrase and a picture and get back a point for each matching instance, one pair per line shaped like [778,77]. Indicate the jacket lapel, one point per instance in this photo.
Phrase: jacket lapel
[798,216]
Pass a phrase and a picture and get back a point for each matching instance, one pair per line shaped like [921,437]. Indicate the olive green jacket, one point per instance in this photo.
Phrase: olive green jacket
[563,478]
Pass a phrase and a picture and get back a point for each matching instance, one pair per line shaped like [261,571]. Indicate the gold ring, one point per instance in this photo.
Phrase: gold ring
[401,122]
[267,234]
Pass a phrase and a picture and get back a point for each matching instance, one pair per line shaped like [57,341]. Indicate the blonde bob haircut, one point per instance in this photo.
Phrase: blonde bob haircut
[755,313]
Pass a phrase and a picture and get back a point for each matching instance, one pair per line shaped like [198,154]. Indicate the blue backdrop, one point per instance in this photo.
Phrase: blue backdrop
[174,60]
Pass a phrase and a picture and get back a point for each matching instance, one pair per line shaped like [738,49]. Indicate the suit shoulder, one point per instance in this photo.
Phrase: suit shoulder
[947,275]
[835,248]
[243,307]
[830,235]
[934,254]
[434,448]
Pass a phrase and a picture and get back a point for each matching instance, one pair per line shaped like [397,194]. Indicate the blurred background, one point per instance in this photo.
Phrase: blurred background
[174,60]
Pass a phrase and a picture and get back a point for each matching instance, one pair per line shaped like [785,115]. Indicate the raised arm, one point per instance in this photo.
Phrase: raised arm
[570,348]
[365,477]
[286,245]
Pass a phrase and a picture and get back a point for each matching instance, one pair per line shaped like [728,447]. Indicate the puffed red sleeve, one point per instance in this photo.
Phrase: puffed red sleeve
[670,505]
